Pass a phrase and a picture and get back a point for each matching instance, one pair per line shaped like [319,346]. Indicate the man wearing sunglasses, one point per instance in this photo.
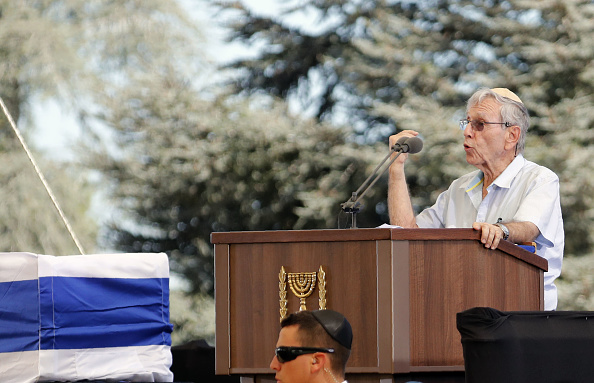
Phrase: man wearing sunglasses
[507,198]
[312,346]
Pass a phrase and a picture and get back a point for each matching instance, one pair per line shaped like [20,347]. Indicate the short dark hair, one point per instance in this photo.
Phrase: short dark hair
[312,334]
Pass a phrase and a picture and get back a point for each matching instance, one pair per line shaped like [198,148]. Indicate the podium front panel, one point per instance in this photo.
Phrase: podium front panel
[400,289]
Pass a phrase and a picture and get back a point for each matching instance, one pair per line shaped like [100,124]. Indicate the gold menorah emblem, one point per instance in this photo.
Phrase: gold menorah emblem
[302,285]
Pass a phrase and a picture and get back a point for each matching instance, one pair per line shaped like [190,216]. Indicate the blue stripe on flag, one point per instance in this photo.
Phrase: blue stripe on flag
[19,316]
[78,313]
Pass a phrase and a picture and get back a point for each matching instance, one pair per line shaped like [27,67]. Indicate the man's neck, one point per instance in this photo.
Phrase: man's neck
[491,172]
[332,377]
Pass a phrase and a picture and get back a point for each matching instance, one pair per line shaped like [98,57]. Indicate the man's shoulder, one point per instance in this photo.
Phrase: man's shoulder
[538,171]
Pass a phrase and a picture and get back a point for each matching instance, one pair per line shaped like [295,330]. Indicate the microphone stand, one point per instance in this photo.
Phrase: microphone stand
[353,206]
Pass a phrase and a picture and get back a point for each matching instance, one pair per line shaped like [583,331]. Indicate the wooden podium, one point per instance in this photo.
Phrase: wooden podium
[399,288]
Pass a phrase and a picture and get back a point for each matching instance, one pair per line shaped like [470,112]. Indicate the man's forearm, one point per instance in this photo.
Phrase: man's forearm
[521,231]
[399,203]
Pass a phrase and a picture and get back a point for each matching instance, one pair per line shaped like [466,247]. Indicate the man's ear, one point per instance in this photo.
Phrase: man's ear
[319,361]
[512,136]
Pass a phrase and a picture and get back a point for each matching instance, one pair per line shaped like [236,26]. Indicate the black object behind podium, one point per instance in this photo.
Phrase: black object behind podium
[527,346]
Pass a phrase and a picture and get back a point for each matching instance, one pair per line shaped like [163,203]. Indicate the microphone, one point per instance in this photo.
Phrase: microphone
[409,145]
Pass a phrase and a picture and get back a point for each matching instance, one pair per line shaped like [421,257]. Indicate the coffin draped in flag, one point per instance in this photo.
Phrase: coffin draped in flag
[84,317]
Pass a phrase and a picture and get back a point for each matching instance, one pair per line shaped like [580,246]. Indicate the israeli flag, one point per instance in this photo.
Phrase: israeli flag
[84,317]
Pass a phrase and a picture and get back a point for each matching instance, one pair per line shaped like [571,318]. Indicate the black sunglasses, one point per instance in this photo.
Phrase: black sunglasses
[287,354]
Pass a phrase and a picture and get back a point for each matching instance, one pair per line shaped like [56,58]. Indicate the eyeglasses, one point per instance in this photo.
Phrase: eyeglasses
[478,126]
[287,354]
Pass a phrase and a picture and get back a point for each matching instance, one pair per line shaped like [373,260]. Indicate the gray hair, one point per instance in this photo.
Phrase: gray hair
[512,111]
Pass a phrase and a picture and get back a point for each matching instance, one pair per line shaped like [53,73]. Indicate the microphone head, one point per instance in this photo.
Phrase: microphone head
[412,145]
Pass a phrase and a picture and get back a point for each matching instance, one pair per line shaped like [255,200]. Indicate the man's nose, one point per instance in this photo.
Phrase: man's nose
[275,364]
[468,130]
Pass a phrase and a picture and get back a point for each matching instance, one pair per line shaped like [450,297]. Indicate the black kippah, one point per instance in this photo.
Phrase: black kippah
[336,325]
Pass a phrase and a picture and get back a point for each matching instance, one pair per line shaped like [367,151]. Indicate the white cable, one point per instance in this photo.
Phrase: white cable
[41,177]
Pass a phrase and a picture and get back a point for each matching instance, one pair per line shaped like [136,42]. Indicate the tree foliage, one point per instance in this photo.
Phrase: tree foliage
[576,287]
[36,60]
[77,53]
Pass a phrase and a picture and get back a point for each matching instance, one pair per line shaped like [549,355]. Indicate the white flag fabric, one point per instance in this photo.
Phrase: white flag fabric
[84,317]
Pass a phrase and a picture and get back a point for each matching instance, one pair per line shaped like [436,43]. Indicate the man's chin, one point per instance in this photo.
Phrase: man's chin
[470,160]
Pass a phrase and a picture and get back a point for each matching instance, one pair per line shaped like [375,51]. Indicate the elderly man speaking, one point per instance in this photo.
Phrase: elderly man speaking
[508,197]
